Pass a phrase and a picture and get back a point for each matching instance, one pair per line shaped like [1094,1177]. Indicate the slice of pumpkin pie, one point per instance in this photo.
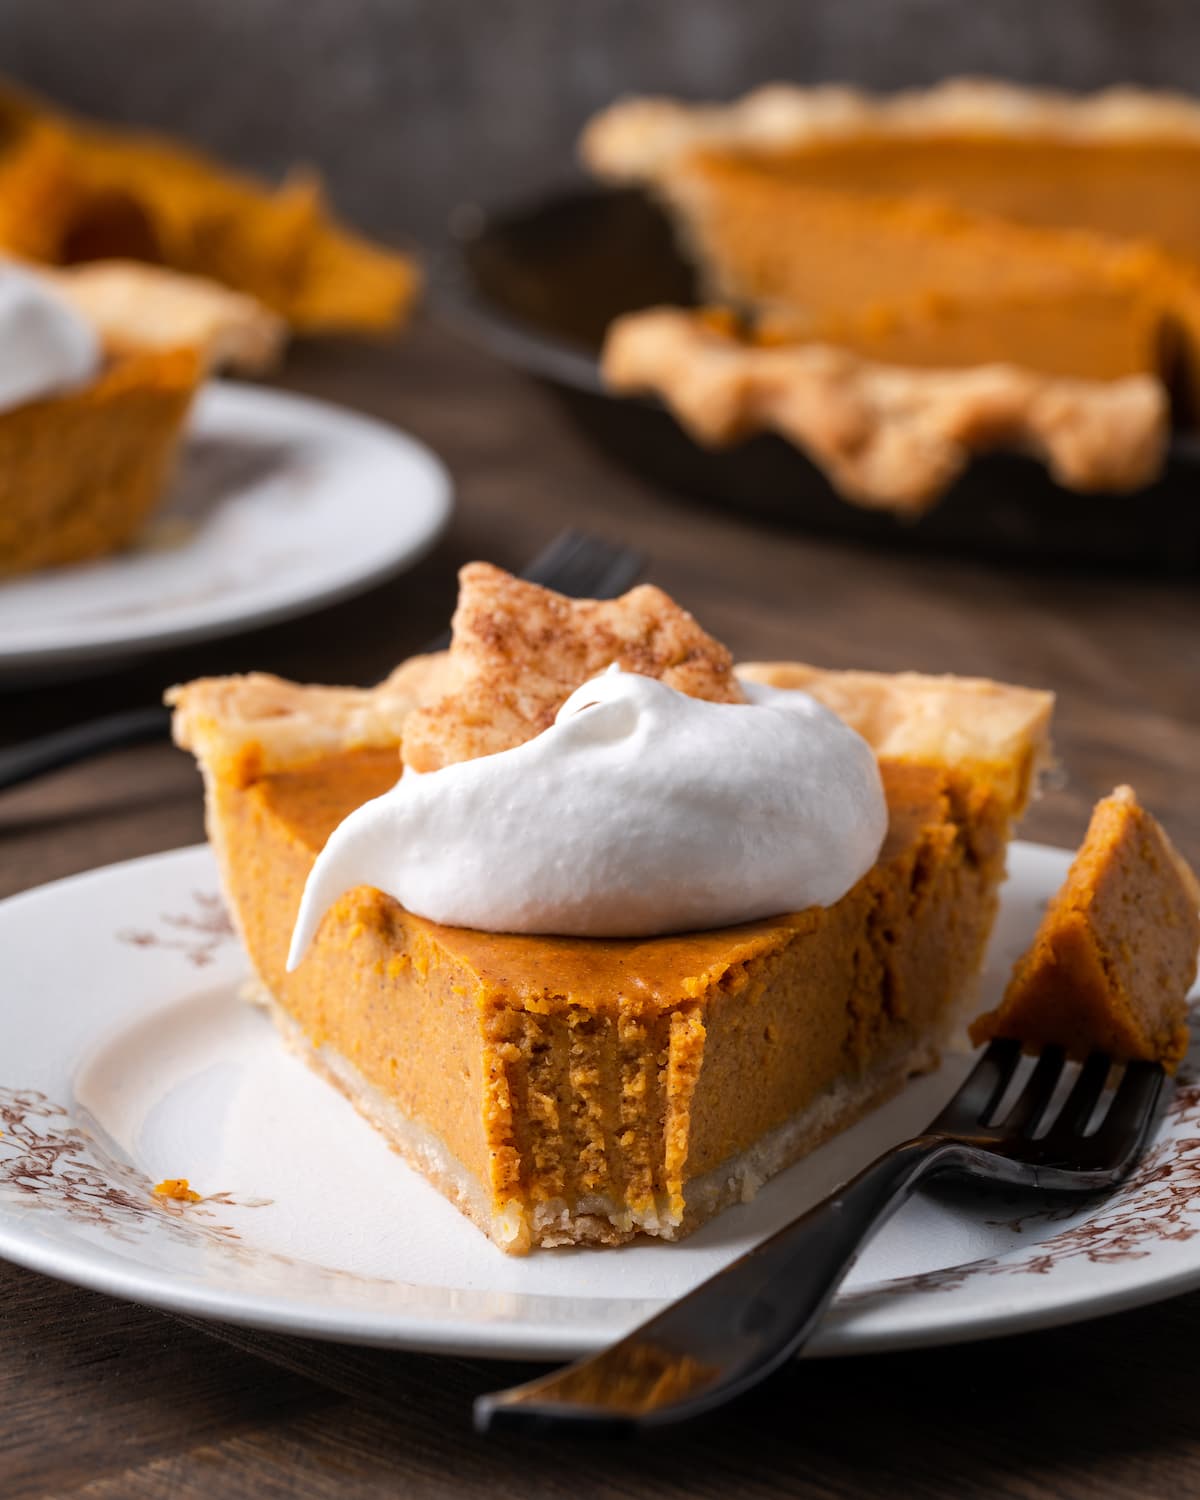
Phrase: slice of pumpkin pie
[1115,954]
[597,931]
[98,367]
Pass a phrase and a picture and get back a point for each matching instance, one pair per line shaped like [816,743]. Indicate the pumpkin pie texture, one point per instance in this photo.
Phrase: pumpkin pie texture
[568,1091]
[82,471]
[973,224]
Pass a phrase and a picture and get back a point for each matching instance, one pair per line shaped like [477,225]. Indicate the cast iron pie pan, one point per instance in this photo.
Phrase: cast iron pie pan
[537,286]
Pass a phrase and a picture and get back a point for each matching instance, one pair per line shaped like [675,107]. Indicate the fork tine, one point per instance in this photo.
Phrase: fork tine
[557,560]
[1081,1101]
[621,573]
[1131,1114]
[1031,1104]
[580,565]
[982,1090]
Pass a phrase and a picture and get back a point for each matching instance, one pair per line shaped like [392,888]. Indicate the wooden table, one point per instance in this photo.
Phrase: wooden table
[102,1399]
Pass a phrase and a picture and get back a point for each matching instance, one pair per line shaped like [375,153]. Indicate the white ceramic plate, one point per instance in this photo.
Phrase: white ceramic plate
[128,1057]
[280,504]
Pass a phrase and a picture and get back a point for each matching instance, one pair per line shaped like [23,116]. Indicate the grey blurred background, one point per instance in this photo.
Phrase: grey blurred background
[411,107]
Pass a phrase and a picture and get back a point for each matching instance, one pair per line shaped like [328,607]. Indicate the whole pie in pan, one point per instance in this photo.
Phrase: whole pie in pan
[974,225]
[578,1090]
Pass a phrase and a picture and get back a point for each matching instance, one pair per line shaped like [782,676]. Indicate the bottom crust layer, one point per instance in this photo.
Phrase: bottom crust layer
[517,1226]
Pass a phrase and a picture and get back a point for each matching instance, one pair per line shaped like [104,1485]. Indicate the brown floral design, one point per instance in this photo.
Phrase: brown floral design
[51,1161]
[196,934]
[1159,1203]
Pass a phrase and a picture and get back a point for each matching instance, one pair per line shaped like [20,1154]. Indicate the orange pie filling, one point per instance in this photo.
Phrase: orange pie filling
[81,472]
[1115,954]
[579,1090]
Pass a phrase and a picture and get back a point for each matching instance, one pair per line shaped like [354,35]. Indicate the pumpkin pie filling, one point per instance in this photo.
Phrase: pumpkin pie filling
[1138,189]
[86,448]
[1115,954]
[81,472]
[583,1090]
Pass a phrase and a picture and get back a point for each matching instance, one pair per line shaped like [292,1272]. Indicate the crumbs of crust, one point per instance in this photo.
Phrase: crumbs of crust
[519,651]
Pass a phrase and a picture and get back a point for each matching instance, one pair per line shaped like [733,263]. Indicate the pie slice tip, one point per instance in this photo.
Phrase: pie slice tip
[1115,955]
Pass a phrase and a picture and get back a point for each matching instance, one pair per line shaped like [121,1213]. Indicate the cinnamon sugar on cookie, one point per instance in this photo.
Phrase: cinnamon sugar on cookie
[519,651]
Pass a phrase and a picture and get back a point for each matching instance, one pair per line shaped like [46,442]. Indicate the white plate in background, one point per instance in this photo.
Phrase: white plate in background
[279,504]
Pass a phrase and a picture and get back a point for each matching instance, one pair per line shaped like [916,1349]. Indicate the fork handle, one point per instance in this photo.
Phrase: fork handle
[734,1329]
[64,747]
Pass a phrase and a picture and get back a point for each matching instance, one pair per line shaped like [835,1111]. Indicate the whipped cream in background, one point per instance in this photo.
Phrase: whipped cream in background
[45,346]
[639,812]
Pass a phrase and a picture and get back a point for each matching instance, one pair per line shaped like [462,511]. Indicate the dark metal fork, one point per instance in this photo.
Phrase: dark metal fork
[734,1329]
[574,563]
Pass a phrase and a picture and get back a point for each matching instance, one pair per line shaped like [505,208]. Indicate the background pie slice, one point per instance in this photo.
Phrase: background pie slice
[81,471]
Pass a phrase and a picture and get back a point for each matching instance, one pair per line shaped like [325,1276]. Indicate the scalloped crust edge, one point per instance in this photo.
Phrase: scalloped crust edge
[889,437]
[637,139]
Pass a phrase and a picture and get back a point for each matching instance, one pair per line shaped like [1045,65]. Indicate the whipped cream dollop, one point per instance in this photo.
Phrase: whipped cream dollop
[640,811]
[46,347]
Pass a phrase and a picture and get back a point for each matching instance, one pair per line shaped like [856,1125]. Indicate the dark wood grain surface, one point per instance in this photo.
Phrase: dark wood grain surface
[101,1399]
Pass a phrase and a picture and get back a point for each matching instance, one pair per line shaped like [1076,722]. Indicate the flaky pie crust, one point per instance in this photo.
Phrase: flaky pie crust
[890,437]
[257,724]
[243,727]
[135,307]
[637,139]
